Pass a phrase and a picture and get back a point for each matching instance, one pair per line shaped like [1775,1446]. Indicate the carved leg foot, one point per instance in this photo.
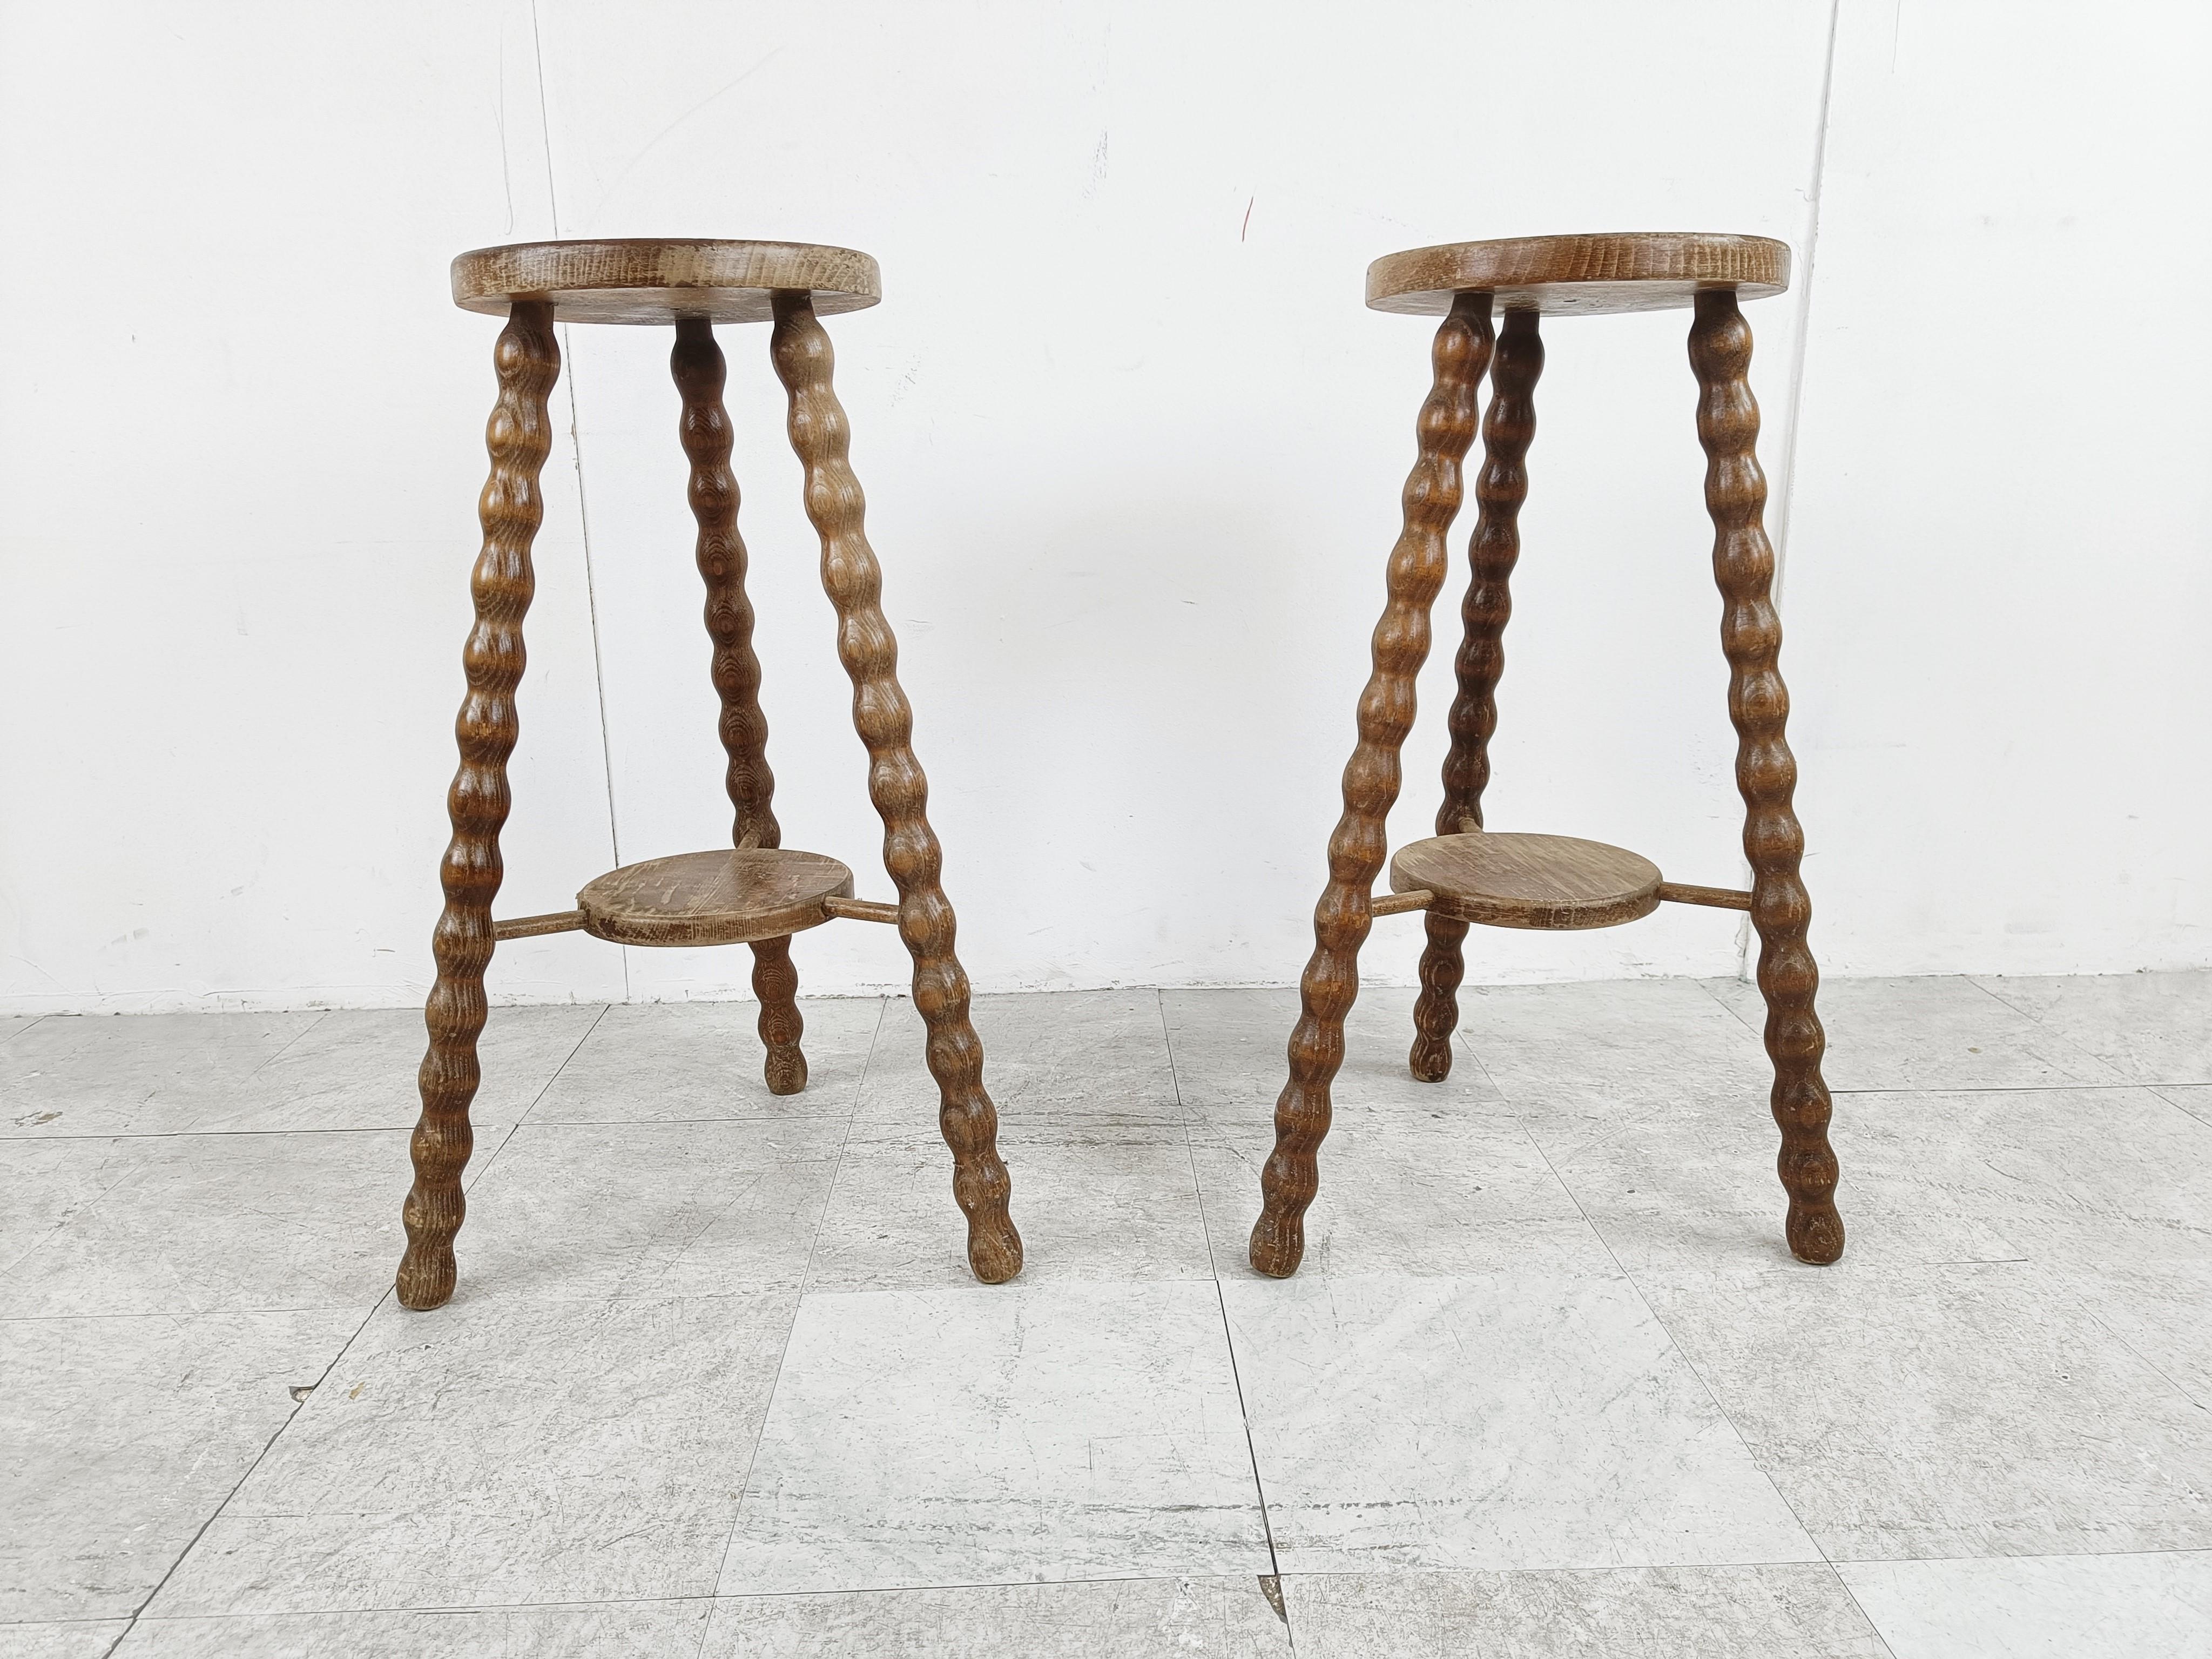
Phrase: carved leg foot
[1341,920]
[775,982]
[698,368]
[510,510]
[1509,426]
[884,719]
[1766,771]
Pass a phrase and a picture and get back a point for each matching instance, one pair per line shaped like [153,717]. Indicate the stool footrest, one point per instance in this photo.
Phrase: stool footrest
[1547,881]
[557,921]
[734,896]
[1719,898]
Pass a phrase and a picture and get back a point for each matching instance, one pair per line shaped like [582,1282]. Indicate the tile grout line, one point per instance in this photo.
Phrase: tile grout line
[344,1348]
[805,1275]
[1228,1337]
[1667,1330]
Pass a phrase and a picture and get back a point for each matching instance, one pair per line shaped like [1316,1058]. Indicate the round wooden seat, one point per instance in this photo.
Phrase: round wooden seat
[1553,882]
[1634,271]
[713,899]
[656,281]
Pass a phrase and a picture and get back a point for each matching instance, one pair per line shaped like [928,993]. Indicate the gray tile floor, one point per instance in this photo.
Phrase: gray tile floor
[717,1382]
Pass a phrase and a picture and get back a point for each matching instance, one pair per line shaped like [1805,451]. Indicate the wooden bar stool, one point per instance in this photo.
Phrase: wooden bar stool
[758,892]
[1466,874]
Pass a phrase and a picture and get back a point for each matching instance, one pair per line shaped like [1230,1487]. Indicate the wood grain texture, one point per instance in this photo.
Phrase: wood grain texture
[557,921]
[852,909]
[1717,898]
[1417,563]
[713,899]
[510,510]
[1552,883]
[820,434]
[1766,771]
[1638,271]
[656,280]
[1397,904]
[1509,426]
[696,364]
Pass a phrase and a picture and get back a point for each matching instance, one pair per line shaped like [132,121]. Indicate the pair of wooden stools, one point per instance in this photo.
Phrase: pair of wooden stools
[761,893]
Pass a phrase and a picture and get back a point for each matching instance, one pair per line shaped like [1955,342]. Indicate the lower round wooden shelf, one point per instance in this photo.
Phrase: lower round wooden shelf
[713,899]
[1553,882]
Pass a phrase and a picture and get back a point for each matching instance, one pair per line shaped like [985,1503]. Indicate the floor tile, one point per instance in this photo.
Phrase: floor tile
[678,1062]
[578,1212]
[1437,1193]
[1095,1059]
[1948,1410]
[2061,1174]
[355,1069]
[2157,1306]
[2079,1606]
[503,1450]
[1229,1048]
[2150,1028]
[1553,1046]
[88,1638]
[542,1632]
[2194,1101]
[1940,1031]
[124,1435]
[1098,1203]
[997,1434]
[202,1222]
[1120,1619]
[1628,1612]
[1490,1421]
[136,1074]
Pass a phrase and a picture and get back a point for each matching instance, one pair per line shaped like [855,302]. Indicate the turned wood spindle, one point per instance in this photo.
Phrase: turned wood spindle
[511,508]
[697,364]
[853,580]
[1467,872]
[1509,426]
[1766,771]
[1416,572]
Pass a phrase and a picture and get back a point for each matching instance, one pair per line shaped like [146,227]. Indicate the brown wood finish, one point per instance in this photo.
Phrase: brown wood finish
[700,371]
[1638,270]
[862,910]
[660,282]
[1416,572]
[1509,426]
[1766,771]
[1466,873]
[1717,898]
[757,892]
[519,437]
[713,898]
[820,435]
[1551,883]
[557,921]
[1397,904]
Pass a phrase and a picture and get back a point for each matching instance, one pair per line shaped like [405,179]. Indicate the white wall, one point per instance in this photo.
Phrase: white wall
[1133,449]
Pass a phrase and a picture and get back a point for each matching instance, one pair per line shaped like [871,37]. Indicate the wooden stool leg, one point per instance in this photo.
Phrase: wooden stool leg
[697,364]
[519,437]
[884,720]
[1508,426]
[1765,772]
[1417,568]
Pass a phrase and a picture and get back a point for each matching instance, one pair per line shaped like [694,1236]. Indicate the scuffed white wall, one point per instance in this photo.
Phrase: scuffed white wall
[1133,449]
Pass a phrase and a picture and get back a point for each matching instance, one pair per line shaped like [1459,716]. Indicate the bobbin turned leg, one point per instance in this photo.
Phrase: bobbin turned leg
[1766,771]
[1508,426]
[510,510]
[697,364]
[1417,568]
[884,720]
